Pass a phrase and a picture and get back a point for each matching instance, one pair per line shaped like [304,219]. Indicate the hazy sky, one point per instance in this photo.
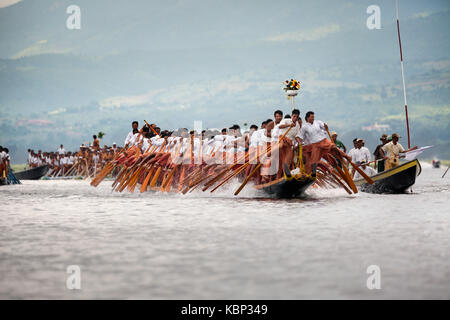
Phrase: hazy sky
[177,61]
[5,3]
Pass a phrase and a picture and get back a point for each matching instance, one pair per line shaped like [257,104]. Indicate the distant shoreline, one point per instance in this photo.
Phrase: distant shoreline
[24,166]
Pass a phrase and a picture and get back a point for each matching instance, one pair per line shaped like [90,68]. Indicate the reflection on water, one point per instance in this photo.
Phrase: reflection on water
[209,246]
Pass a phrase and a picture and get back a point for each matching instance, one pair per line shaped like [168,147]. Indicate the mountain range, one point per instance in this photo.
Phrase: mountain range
[221,62]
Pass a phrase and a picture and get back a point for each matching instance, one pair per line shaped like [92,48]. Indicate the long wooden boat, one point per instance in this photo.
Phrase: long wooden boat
[395,180]
[288,186]
[32,174]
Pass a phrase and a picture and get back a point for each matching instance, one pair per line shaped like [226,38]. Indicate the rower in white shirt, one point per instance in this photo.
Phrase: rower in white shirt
[354,152]
[318,144]
[29,156]
[365,155]
[61,150]
[134,130]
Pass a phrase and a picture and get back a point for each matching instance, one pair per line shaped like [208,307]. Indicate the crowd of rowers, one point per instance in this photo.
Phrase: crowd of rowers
[288,130]
[230,145]
[85,162]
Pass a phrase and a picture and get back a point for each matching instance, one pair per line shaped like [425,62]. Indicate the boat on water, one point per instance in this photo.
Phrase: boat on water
[33,173]
[289,186]
[396,180]
[436,164]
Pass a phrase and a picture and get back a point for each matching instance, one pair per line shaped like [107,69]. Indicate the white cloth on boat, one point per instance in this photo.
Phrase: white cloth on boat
[367,170]
[411,155]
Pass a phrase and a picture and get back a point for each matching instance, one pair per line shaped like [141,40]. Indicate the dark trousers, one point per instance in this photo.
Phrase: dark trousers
[381,166]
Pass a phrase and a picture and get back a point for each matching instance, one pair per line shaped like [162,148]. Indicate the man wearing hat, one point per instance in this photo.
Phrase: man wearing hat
[378,153]
[364,153]
[337,142]
[392,150]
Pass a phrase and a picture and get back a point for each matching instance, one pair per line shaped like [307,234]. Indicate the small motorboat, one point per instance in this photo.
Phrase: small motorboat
[436,164]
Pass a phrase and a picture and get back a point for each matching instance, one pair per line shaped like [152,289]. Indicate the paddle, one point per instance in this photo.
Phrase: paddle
[241,168]
[445,172]
[362,173]
[247,179]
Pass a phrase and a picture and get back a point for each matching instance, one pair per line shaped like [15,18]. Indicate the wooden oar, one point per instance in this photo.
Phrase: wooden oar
[345,175]
[362,173]
[147,180]
[155,178]
[181,180]
[336,178]
[247,179]
[151,128]
[445,172]
[240,169]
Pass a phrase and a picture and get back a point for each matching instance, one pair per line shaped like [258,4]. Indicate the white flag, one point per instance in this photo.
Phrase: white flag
[411,155]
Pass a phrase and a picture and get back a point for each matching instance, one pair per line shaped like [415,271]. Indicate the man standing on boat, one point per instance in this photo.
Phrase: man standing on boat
[364,155]
[288,142]
[61,150]
[378,153]
[391,151]
[314,132]
[134,130]
[354,152]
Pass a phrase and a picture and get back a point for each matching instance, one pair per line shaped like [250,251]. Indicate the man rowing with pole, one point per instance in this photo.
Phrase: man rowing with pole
[288,142]
[313,132]
[134,130]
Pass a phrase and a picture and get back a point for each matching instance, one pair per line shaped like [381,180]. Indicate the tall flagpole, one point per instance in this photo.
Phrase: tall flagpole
[403,74]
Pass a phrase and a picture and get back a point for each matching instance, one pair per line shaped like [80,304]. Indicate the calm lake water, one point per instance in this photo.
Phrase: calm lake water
[198,246]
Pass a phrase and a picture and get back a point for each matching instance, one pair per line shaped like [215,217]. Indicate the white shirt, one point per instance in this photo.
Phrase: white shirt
[292,133]
[136,139]
[61,151]
[254,139]
[312,133]
[219,143]
[145,145]
[128,138]
[365,155]
[368,170]
[276,132]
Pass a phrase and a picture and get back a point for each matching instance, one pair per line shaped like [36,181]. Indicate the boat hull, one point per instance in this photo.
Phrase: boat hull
[32,174]
[288,187]
[395,180]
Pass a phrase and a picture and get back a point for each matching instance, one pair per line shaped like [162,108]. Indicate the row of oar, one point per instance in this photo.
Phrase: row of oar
[155,169]
[152,168]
